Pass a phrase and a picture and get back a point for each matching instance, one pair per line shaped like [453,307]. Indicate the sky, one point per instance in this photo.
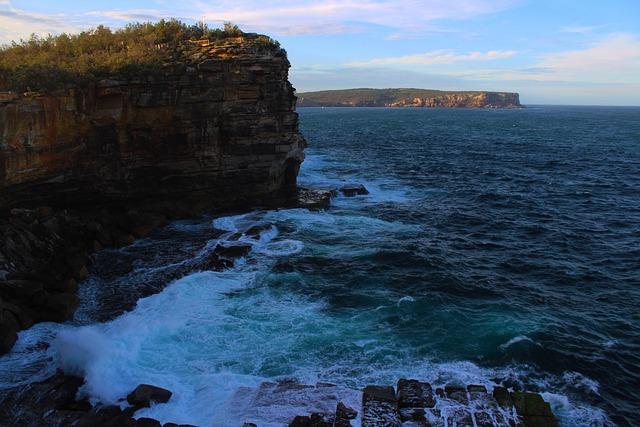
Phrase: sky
[550,51]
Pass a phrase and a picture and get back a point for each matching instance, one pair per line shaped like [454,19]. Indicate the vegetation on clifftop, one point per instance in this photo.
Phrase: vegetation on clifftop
[365,97]
[139,49]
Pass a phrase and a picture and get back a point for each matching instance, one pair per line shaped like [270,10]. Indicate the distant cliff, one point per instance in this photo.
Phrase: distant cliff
[408,98]
[219,125]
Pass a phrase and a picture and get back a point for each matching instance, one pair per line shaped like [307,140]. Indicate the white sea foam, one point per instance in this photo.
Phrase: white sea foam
[516,340]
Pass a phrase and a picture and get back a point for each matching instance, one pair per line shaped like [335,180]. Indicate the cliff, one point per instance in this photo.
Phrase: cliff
[220,126]
[408,98]
[104,162]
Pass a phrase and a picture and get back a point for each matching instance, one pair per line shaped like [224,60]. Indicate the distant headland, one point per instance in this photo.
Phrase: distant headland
[408,98]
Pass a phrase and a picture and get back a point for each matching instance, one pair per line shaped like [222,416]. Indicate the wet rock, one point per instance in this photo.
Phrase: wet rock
[300,421]
[533,410]
[317,419]
[457,393]
[354,190]
[232,251]
[311,199]
[380,407]
[20,289]
[145,394]
[147,422]
[503,397]
[243,425]
[59,307]
[415,394]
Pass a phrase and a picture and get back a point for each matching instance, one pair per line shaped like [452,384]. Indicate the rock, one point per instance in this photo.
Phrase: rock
[346,412]
[9,327]
[503,397]
[232,251]
[379,407]
[344,415]
[459,394]
[321,420]
[59,307]
[145,394]
[354,190]
[245,425]
[535,412]
[147,422]
[311,199]
[415,394]
[21,289]
[300,421]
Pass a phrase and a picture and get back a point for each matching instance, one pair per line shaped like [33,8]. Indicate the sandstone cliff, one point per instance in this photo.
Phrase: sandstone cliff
[408,98]
[221,126]
[114,159]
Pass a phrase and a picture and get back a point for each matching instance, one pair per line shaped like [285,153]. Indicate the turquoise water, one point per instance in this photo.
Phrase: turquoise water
[496,247]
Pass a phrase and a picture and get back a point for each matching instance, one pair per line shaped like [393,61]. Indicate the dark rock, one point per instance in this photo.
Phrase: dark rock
[354,190]
[345,412]
[312,199]
[232,251]
[9,327]
[459,394]
[246,425]
[415,394]
[145,394]
[147,422]
[530,404]
[300,421]
[21,289]
[503,397]
[379,407]
[60,307]
[321,420]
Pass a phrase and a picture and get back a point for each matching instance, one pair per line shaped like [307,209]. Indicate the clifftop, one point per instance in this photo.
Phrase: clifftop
[138,51]
[408,98]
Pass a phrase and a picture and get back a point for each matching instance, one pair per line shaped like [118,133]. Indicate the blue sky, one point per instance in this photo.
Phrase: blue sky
[553,52]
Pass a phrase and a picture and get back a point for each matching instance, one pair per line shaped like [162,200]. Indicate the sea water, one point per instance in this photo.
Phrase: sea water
[495,247]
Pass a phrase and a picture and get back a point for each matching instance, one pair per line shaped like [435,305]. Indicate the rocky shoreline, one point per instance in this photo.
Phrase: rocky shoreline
[412,403]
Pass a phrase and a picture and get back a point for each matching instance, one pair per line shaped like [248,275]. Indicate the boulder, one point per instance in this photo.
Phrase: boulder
[145,394]
[415,394]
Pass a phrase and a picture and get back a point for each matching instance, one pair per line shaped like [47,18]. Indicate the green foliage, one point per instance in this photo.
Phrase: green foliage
[55,62]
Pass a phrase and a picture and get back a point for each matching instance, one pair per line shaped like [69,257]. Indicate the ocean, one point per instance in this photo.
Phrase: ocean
[495,247]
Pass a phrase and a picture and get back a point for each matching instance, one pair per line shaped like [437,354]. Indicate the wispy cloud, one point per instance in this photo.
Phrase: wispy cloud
[613,59]
[436,57]
[16,23]
[580,29]
[338,14]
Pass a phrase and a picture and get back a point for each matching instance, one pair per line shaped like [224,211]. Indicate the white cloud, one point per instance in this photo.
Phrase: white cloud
[436,57]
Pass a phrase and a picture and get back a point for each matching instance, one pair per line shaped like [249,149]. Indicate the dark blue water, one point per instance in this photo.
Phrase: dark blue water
[529,226]
[496,247]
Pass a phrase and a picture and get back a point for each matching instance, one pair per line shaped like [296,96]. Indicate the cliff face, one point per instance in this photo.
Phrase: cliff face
[408,98]
[102,165]
[220,127]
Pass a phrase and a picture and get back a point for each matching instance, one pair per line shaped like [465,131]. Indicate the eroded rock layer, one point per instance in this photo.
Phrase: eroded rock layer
[220,126]
[102,165]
